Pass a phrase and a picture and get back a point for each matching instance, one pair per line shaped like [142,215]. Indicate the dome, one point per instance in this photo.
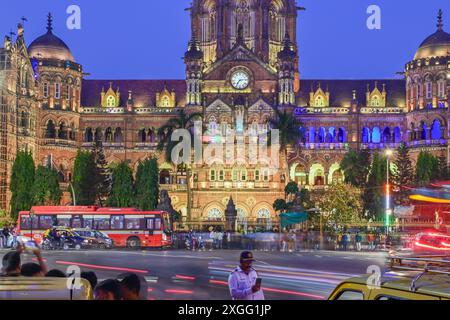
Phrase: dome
[436,45]
[49,46]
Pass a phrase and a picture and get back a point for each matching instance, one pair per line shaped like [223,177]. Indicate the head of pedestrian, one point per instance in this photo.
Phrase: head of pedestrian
[108,290]
[130,287]
[246,261]
[11,263]
[91,277]
[31,270]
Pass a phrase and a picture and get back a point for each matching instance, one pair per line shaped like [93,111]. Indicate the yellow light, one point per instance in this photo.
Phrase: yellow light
[428,199]
[389,152]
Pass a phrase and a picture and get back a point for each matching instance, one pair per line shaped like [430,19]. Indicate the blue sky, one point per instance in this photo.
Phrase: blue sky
[146,39]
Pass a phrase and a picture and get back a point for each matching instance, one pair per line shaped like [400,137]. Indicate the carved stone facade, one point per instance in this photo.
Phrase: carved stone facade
[242,64]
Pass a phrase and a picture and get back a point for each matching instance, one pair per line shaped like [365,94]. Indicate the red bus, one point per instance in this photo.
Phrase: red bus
[128,227]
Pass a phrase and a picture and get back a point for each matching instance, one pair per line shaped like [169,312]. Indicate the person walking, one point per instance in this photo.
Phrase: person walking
[358,240]
[243,282]
[344,241]
[220,240]
[6,234]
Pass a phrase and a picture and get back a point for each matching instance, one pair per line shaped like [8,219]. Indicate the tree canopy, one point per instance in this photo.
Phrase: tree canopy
[22,180]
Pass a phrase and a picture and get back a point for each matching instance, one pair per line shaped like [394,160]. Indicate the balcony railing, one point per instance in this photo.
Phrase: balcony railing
[59,142]
[380,145]
[324,146]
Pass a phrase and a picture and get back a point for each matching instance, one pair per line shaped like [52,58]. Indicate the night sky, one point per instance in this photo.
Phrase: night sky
[146,39]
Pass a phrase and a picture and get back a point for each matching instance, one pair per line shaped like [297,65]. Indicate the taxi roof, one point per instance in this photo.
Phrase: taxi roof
[429,284]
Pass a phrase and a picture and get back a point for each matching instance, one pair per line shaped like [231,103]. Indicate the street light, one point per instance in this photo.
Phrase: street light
[31,223]
[389,154]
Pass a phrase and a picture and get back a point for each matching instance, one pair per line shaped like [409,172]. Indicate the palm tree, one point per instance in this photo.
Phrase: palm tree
[289,133]
[181,121]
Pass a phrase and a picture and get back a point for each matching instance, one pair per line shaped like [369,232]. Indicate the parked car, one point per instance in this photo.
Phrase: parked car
[99,239]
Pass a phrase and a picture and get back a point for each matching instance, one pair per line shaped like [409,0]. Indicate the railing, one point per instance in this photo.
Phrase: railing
[380,145]
[382,110]
[59,142]
[120,110]
[321,110]
[424,143]
[146,145]
[324,146]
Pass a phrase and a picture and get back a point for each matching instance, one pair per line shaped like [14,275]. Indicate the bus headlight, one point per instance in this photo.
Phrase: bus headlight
[164,237]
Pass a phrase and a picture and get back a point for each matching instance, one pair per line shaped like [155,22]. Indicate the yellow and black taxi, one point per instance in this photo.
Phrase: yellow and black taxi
[407,278]
[66,239]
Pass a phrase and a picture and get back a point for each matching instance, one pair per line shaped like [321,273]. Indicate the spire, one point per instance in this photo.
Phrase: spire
[49,23]
[440,24]
[288,50]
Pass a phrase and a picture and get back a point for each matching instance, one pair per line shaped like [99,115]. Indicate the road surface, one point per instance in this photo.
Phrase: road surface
[187,275]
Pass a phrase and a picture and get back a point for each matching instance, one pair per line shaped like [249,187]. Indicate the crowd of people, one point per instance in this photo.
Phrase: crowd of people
[288,241]
[125,287]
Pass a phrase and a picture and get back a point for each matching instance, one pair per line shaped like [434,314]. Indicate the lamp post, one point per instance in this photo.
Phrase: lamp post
[31,223]
[389,154]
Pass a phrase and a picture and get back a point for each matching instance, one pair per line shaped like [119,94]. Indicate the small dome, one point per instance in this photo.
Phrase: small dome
[49,46]
[436,45]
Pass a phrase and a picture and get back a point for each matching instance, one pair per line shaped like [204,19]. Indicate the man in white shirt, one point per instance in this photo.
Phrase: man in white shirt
[243,282]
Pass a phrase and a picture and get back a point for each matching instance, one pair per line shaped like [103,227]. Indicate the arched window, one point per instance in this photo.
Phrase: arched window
[442,83]
[50,132]
[263,218]
[342,138]
[397,135]
[376,135]
[111,102]
[303,135]
[24,120]
[98,134]
[108,135]
[57,90]
[331,135]
[320,102]
[387,135]
[165,102]
[322,135]
[62,132]
[365,135]
[436,131]
[88,136]
[165,177]
[45,90]
[375,101]
[142,136]
[151,135]
[312,135]
[423,131]
[215,214]
[118,137]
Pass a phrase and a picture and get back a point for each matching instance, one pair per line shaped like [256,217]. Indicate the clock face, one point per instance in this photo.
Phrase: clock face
[240,80]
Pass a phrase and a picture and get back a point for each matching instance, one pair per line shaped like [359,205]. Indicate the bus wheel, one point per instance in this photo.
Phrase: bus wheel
[133,243]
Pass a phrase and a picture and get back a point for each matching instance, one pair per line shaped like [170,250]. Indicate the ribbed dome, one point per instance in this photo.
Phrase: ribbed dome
[436,45]
[49,46]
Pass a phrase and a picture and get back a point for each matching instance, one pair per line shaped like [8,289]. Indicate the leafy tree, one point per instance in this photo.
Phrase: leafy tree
[291,189]
[356,168]
[403,175]
[307,202]
[289,133]
[103,179]
[341,206]
[426,168]
[443,169]
[22,179]
[147,188]
[122,192]
[280,205]
[46,190]
[374,192]
[84,179]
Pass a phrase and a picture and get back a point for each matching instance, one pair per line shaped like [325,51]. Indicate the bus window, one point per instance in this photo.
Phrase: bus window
[64,222]
[157,224]
[101,224]
[133,223]
[88,223]
[25,223]
[77,222]
[117,222]
[150,224]
[47,222]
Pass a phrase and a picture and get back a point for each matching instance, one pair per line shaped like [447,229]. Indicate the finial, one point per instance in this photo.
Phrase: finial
[20,30]
[384,87]
[354,94]
[130,93]
[110,84]
[440,24]
[49,23]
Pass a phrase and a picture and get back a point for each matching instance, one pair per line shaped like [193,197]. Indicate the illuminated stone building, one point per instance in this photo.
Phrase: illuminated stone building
[242,63]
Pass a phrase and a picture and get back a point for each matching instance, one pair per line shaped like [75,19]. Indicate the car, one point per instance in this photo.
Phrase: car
[408,278]
[71,240]
[431,241]
[98,239]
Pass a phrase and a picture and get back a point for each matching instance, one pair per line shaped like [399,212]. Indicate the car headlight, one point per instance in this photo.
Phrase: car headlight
[86,241]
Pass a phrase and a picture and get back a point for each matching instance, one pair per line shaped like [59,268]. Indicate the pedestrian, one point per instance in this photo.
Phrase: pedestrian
[243,282]
[91,277]
[55,273]
[108,290]
[344,241]
[358,240]
[12,267]
[5,233]
[130,287]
